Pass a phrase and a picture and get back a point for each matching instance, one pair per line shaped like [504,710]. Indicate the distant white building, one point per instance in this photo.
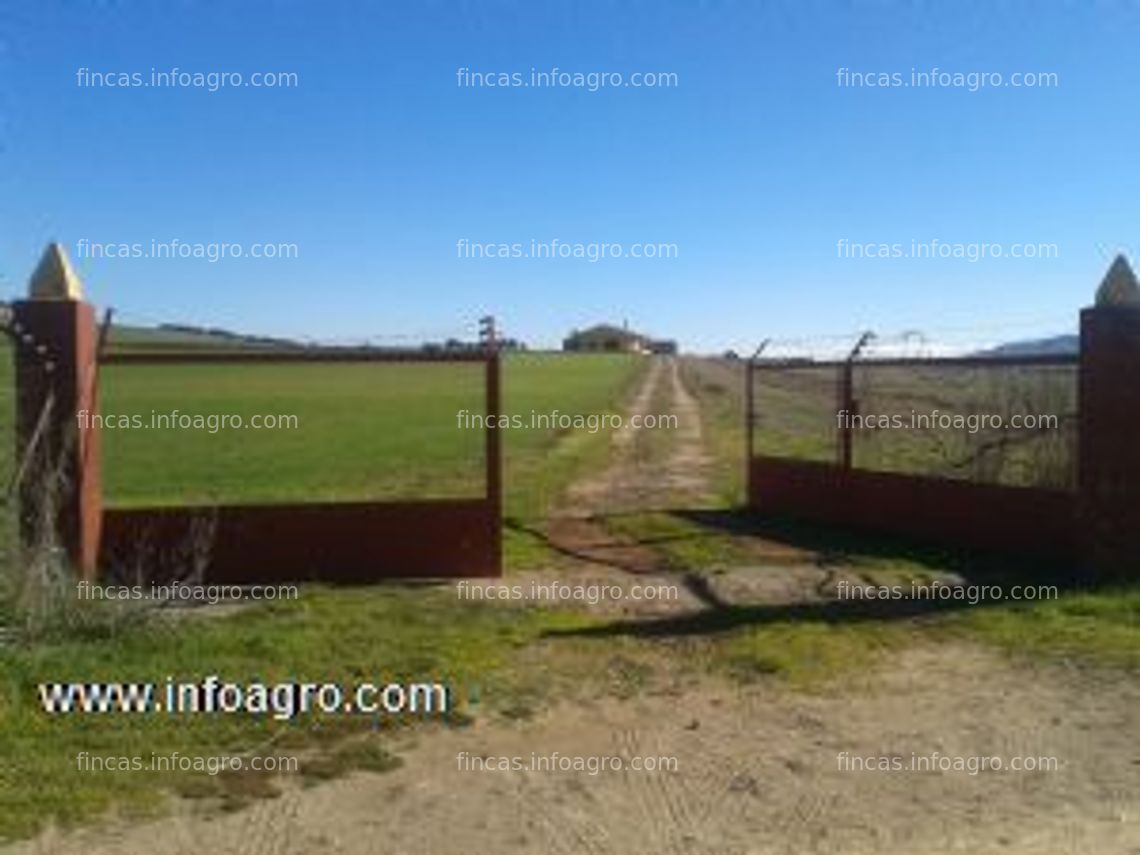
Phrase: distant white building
[607,338]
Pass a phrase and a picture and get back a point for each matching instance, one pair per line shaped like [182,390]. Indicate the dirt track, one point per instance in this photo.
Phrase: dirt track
[758,772]
[758,765]
[636,481]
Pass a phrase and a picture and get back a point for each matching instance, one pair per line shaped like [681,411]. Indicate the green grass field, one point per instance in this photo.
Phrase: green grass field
[361,431]
[353,431]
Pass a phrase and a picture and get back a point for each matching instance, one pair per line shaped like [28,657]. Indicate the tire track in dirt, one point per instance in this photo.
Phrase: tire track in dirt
[686,471]
[757,772]
[636,480]
[659,803]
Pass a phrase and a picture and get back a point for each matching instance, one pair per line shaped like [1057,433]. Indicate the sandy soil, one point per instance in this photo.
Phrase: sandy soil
[757,772]
[758,767]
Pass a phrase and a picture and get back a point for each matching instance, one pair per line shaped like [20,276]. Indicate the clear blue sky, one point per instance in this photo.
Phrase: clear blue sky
[755,165]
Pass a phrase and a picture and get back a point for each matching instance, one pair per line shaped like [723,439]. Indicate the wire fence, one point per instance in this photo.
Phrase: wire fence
[139,330]
[1000,419]
[1002,422]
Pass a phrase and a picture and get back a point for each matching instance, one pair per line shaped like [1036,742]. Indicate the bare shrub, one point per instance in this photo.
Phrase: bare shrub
[38,591]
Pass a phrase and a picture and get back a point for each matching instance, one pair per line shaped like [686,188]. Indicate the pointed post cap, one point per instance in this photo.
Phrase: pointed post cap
[54,278]
[1119,287]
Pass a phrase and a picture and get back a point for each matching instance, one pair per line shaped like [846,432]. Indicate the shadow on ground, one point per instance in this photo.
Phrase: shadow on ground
[831,546]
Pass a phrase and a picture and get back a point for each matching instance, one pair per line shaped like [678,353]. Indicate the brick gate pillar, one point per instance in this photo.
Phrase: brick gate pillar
[57,449]
[1109,430]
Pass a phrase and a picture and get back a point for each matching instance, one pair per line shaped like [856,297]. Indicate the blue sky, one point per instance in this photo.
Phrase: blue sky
[754,165]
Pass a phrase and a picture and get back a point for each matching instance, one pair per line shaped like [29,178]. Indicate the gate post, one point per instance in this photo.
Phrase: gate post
[847,411]
[57,446]
[493,454]
[749,428]
[848,406]
[1109,457]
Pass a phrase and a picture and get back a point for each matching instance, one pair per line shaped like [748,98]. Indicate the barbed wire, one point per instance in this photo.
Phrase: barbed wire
[467,330]
[925,342]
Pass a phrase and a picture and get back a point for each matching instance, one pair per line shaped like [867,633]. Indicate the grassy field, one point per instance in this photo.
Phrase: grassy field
[357,431]
[796,416]
[1086,621]
[361,431]
[354,431]
[381,431]
[326,636]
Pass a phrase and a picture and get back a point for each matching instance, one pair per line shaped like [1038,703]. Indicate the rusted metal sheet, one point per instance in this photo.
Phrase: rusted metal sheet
[492,458]
[1018,520]
[334,542]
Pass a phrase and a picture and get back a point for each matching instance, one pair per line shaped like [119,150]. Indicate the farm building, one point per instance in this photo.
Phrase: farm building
[607,338]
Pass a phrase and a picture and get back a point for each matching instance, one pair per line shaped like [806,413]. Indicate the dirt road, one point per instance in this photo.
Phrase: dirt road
[639,477]
[757,772]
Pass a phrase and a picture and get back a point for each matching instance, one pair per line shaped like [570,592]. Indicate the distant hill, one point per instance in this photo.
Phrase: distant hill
[1056,345]
[180,336]
[175,336]
[186,337]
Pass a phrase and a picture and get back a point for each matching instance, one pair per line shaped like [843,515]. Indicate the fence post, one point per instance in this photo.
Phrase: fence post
[1109,457]
[493,454]
[749,428]
[846,408]
[750,421]
[59,489]
[847,403]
